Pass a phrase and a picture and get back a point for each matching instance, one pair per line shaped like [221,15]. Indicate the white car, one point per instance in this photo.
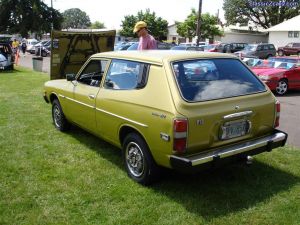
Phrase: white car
[30,45]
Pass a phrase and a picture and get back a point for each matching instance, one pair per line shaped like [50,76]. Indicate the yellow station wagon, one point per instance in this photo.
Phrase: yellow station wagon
[175,109]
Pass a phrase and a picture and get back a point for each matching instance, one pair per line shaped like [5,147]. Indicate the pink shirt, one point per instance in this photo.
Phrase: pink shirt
[147,42]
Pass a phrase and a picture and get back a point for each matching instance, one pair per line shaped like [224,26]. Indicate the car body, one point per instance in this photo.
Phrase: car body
[262,51]
[230,47]
[176,109]
[7,57]
[188,48]
[290,49]
[279,76]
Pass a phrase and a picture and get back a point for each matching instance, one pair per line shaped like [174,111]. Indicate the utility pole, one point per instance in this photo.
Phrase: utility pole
[199,22]
[51,15]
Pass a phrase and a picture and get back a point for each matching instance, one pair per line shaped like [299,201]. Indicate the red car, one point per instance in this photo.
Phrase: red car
[279,76]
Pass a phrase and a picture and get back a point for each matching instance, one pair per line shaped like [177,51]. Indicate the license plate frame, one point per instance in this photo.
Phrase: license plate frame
[234,129]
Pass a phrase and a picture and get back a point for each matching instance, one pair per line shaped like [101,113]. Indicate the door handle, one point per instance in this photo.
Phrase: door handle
[91,96]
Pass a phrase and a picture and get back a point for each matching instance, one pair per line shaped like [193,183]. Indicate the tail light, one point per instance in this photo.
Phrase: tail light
[180,135]
[277,114]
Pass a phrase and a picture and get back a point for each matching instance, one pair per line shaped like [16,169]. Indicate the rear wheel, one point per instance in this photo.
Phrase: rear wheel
[282,87]
[280,53]
[268,56]
[140,165]
[59,119]
[44,54]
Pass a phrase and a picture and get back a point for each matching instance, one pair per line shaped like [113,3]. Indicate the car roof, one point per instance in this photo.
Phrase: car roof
[158,56]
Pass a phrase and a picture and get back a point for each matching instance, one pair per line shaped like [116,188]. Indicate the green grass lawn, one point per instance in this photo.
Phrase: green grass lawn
[49,177]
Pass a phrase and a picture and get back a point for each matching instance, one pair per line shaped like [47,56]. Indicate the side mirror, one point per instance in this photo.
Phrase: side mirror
[70,77]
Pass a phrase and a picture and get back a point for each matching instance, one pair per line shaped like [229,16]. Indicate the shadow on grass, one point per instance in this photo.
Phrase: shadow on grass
[210,193]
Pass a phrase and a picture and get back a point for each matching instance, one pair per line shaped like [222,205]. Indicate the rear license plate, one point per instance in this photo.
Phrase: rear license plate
[234,129]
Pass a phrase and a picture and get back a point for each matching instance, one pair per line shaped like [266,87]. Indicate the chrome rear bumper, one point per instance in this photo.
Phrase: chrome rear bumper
[253,147]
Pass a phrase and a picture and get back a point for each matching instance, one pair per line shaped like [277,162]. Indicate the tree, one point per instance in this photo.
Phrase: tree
[97,25]
[208,26]
[75,18]
[23,16]
[158,27]
[261,12]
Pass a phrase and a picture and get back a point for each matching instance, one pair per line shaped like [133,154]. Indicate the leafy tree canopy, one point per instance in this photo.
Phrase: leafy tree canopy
[158,27]
[208,28]
[97,25]
[261,12]
[23,16]
[75,18]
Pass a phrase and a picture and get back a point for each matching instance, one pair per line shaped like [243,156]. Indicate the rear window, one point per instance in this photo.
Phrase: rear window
[209,79]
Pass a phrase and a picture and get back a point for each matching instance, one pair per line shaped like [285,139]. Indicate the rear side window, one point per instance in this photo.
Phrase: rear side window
[126,75]
[272,47]
[202,80]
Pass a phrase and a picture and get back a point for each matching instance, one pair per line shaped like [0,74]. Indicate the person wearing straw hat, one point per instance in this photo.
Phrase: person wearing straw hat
[146,41]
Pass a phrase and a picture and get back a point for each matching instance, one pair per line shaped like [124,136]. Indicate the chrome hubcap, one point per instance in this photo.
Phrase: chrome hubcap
[281,87]
[135,159]
[57,116]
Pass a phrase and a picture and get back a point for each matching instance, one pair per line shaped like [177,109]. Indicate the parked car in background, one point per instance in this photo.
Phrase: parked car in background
[160,45]
[124,46]
[211,48]
[43,42]
[290,59]
[176,109]
[189,44]
[262,51]
[43,48]
[289,49]
[7,57]
[30,43]
[188,48]
[279,76]
[230,47]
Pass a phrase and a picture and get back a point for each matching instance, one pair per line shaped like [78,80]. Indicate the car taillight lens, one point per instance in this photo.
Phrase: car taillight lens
[180,135]
[277,114]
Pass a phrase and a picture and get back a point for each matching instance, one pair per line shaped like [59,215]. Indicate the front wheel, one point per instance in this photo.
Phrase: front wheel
[282,87]
[59,119]
[140,165]
[280,53]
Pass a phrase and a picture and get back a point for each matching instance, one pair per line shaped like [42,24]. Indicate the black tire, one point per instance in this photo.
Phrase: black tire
[44,54]
[282,87]
[268,56]
[11,67]
[59,119]
[139,163]
[280,53]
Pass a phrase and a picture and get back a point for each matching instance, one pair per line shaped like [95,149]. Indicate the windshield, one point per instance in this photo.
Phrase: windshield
[250,47]
[201,80]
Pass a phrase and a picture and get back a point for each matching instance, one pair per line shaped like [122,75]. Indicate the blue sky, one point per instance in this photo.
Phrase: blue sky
[111,12]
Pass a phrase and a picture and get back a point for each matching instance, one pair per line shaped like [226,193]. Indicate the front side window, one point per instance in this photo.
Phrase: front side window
[208,79]
[126,75]
[93,72]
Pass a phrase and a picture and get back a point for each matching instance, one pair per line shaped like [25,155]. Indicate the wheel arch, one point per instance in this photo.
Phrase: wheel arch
[127,129]
[52,97]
